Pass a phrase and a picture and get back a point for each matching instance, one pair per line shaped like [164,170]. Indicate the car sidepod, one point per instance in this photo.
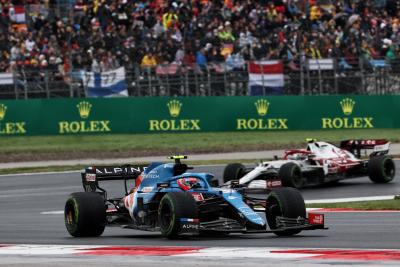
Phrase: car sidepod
[253,220]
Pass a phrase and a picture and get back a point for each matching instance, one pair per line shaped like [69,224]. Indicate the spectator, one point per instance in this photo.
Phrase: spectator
[225,33]
[117,32]
[313,51]
[170,18]
[149,60]
[201,59]
[235,61]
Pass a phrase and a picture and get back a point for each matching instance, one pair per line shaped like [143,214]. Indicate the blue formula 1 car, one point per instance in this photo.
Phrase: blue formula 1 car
[169,199]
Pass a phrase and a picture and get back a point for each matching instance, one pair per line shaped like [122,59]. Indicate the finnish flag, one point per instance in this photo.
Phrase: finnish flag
[107,84]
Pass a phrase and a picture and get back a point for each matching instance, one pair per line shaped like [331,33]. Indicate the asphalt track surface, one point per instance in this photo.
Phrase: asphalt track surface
[24,197]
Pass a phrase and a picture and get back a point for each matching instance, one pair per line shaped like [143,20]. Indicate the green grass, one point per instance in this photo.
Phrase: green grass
[393,204]
[20,148]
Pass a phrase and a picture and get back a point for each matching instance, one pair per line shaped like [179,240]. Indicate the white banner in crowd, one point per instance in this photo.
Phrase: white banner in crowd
[320,64]
[6,78]
[106,84]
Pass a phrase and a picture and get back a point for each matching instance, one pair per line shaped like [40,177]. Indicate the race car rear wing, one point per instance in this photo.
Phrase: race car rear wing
[92,175]
[379,146]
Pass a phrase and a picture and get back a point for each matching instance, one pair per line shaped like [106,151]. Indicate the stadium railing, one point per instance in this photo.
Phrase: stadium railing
[305,77]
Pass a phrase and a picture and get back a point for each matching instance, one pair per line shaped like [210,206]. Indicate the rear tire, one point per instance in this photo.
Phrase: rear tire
[290,175]
[173,207]
[85,214]
[381,169]
[233,171]
[285,202]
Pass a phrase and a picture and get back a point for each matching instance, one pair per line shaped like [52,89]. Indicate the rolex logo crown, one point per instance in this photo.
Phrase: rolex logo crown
[3,109]
[347,105]
[84,109]
[262,106]
[174,107]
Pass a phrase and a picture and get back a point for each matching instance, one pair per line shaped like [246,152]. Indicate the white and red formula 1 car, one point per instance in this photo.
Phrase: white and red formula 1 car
[319,163]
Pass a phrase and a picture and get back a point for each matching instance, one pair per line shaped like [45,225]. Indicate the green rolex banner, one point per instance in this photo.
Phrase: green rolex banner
[195,114]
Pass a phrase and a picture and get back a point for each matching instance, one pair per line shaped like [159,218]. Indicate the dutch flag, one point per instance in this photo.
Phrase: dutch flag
[266,77]
[17,14]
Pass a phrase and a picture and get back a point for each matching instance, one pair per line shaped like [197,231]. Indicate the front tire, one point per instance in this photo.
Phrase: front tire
[233,171]
[381,169]
[284,202]
[290,175]
[85,214]
[173,207]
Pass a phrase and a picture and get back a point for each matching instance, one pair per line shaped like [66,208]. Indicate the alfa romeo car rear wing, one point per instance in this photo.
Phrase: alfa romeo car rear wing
[379,146]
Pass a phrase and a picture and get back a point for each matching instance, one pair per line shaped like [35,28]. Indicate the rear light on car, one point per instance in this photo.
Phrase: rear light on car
[90,177]
[316,219]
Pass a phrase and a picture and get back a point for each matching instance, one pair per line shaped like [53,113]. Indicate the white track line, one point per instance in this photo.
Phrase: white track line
[350,199]
[209,252]
[26,249]
[54,212]
[61,212]
[221,252]
[344,210]
[314,201]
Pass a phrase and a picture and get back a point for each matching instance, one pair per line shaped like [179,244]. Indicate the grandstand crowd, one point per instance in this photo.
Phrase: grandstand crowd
[100,35]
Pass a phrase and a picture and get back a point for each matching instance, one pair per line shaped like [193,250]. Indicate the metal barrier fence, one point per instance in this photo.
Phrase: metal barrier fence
[301,78]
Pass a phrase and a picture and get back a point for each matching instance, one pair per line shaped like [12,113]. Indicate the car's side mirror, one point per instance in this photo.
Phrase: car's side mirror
[235,183]
[214,183]
[311,156]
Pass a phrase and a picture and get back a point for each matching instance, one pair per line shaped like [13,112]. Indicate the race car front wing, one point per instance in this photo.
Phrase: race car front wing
[313,222]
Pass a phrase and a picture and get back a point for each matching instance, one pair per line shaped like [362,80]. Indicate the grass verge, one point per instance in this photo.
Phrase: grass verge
[30,148]
[393,204]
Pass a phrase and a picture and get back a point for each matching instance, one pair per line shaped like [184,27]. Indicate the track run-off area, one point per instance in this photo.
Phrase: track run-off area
[32,231]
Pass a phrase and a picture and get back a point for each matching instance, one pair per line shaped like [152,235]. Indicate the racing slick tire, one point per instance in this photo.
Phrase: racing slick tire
[381,169]
[233,171]
[285,202]
[85,214]
[290,175]
[173,207]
